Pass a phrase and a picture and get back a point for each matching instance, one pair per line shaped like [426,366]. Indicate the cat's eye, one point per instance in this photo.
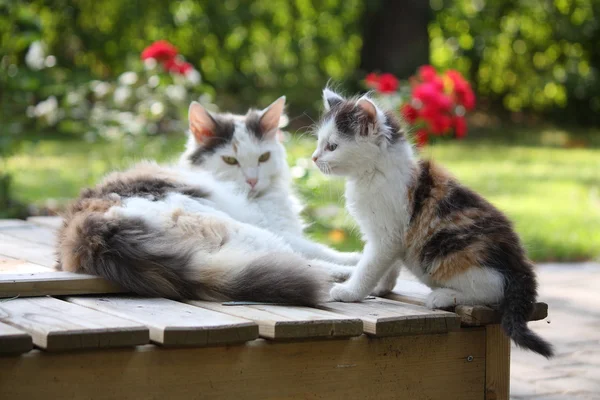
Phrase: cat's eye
[230,160]
[264,156]
[331,147]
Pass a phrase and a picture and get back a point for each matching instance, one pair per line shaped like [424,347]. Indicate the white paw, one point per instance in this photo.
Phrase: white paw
[383,288]
[344,292]
[352,258]
[442,298]
[340,276]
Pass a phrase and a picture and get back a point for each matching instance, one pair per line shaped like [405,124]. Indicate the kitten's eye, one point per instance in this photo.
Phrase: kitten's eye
[331,147]
[264,157]
[230,160]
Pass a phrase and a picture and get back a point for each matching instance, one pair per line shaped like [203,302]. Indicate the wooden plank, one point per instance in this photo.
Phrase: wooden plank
[288,322]
[22,249]
[405,367]
[58,325]
[497,363]
[175,324]
[482,315]
[383,317]
[28,231]
[14,341]
[15,266]
[54,283]
[479,315]
[48,222]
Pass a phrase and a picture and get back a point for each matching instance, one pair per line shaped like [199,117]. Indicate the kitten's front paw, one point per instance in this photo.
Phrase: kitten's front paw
[442,298]
[343,292]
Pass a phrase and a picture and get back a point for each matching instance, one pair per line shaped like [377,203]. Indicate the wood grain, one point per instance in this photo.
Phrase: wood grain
[288,322]
[29,232]
[383,317]
[482,315]
[175,324]
[58,325]
[15,266]
[478,315]
[48,222]
[37,253]
[404,367]
[54,283]
[497,364]
[14,341]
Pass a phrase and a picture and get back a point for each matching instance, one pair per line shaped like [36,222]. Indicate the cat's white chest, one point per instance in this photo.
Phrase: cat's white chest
[378,209]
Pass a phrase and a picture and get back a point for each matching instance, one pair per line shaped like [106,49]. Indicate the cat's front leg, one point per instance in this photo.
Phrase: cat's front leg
[373,265]
[315,250]
[337,273]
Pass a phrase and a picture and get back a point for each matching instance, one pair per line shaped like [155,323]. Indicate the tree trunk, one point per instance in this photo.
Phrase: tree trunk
[395,37]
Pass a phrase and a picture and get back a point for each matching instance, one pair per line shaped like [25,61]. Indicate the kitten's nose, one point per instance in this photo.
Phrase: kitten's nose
[252,182]
[315,158]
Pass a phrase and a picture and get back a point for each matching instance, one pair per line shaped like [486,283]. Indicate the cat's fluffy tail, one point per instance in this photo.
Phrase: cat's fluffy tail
[519,300]
[152,262]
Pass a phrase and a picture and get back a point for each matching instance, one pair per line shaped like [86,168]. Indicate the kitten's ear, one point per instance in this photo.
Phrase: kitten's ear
[202,125]
[331,99]
[370,128]
[270,119]
[369,107]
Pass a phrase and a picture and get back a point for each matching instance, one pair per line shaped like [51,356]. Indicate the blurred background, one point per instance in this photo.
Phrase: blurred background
[83,90]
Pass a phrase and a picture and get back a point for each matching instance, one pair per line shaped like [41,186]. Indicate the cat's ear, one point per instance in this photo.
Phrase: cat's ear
[370,128]
[202,124]
[331,99]
[369,107]
[271,118]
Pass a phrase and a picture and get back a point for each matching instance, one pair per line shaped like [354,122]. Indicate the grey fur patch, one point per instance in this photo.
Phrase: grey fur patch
[277,278]
[253,124]
[117,250]
[154,188]
[351,121]
[224,130]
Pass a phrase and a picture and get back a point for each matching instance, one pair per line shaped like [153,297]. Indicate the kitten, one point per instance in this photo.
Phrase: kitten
[221,225]
[412,211]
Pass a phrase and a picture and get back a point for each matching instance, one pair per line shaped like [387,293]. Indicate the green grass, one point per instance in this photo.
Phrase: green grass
[552,193]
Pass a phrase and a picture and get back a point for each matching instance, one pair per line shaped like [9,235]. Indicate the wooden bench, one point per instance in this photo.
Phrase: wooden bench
[73,336]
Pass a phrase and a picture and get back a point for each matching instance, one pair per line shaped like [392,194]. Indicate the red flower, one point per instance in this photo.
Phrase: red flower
[427,73]
[409,113]
[462,89]
[388,83]
[177,66]
[372,80]
[160,50]
[421,137]
[460,127]
[425,92]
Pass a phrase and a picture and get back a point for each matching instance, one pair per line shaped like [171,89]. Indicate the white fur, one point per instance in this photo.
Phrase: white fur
[378,174]
[263,218]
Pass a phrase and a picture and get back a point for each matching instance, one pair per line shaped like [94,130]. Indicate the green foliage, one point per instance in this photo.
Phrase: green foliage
[539,55]
[250,51]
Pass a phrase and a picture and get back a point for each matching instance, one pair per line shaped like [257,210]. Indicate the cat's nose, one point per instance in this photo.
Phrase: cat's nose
[315,158]
[251,182]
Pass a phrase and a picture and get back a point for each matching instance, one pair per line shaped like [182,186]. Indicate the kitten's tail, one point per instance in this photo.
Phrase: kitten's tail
[519,300]
[149,262]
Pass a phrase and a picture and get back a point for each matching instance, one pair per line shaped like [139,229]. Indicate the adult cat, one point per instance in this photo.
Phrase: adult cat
[413,211]
[223,224]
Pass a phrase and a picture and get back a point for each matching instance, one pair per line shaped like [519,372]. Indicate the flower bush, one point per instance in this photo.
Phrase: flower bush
[150,98]
[433,104]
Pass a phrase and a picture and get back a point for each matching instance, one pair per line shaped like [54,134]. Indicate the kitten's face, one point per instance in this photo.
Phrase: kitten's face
[244,150]
[352,135]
